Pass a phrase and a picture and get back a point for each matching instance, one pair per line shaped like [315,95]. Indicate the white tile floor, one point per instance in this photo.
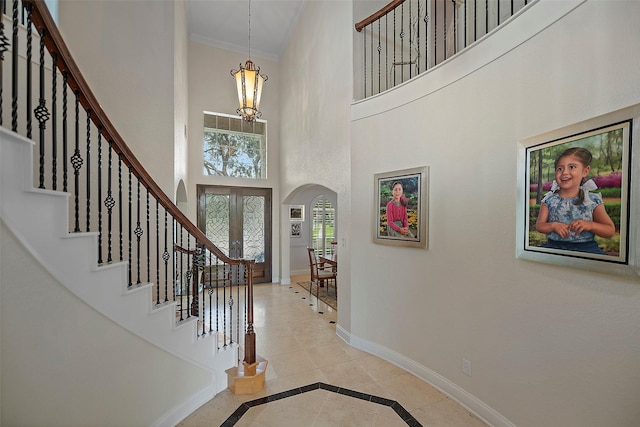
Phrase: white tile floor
[298,338]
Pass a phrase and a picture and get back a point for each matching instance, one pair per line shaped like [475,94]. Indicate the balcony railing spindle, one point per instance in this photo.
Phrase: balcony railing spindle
[447,31]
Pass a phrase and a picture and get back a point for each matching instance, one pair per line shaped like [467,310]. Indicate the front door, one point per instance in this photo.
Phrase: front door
[238,221]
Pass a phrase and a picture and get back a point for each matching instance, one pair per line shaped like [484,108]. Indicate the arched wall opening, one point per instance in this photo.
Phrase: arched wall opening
[297,233]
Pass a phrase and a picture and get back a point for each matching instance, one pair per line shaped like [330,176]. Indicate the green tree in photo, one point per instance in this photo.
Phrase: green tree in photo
[233,154]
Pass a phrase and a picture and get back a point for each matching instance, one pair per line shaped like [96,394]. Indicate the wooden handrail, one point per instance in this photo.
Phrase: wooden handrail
[379,14]
[55,44]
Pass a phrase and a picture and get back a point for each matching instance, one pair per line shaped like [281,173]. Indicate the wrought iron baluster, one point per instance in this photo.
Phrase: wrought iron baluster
[14,69]
[435,33]
[402,41]
[54,121]
[109,202]
[386,52]
[231,303]
[41,113]
[189,276]
[148,240]
[138,232]
[99,194]
[29,77]
[157,252]
[455,26]
[120,219]
[88,171]
[410,41]
[238,329]
[364,45]
[465,24]
[394,47]
[372,91]
[4,46]
[76,162]
[224,308]
[174,261]
[418,39]
[444,30]
[475,20]
[65,133]
[379,53]
[486,17]
[426,32]
[181,275]
[165,257]
[130,234]
[210,292]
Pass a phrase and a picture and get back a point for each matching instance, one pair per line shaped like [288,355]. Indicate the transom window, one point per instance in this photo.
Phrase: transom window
[232,147]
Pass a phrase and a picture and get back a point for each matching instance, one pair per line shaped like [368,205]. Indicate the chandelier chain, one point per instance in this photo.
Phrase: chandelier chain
[249,29]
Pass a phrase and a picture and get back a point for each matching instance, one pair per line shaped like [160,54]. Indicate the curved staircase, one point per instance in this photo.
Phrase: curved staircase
[40,220]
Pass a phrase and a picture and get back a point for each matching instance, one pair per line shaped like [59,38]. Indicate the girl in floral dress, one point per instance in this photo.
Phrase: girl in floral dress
[570,215]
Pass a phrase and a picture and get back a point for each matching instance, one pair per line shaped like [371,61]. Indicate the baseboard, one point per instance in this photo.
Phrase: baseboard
[452,390]
[186,408]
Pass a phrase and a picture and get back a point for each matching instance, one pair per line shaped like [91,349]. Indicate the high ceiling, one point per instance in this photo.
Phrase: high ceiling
[225,23]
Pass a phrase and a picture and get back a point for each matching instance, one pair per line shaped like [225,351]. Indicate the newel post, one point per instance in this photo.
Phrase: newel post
[250,336]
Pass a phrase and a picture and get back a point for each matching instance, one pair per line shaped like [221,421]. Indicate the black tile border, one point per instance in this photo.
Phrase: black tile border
[242,409]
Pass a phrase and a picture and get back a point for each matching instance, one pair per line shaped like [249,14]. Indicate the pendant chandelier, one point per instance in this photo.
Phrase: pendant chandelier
[249,83]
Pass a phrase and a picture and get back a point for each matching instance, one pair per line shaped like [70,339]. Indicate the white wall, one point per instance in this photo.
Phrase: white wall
[315,126]
[181,103]
[65,364]
[211,88]
[125,51]
[549,346]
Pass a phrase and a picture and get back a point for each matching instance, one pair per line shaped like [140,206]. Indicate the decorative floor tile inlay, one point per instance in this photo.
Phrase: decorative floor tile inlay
[399,410]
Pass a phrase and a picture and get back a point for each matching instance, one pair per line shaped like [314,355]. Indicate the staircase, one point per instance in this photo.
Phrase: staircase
[39,219]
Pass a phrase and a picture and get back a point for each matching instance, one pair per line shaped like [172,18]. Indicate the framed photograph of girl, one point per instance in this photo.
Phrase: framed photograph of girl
[400,207]
[575,207]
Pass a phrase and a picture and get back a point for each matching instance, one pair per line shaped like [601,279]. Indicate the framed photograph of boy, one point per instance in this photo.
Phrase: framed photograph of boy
[400,207]
[576,190]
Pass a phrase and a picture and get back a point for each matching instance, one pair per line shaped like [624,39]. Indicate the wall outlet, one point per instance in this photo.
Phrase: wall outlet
[466,367]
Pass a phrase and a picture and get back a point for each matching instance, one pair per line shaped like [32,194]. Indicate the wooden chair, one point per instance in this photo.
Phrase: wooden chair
[321,273]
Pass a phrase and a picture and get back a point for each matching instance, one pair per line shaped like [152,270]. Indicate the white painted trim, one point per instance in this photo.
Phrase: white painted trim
[452,390]
[186,408]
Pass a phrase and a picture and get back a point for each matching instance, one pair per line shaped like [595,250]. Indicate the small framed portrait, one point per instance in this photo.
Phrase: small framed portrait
[575,196]
[296,212]
[400,207]
[296,229]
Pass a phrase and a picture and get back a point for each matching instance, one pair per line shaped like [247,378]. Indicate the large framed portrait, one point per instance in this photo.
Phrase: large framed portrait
[578,195]
[400,210]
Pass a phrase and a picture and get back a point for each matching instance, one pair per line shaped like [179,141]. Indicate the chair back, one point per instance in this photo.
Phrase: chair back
[313,263]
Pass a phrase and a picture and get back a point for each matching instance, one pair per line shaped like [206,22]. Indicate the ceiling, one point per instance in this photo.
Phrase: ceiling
[225,24]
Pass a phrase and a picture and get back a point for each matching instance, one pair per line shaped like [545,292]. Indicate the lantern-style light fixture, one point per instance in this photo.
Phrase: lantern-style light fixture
[249,83]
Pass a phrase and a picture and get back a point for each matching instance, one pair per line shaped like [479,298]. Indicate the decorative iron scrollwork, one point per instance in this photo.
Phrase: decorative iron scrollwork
[4,42]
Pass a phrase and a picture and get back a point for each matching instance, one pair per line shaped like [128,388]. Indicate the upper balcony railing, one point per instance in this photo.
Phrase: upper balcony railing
[408,37]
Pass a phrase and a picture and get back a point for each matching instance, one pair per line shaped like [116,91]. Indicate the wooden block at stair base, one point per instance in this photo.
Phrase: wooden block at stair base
[247,379]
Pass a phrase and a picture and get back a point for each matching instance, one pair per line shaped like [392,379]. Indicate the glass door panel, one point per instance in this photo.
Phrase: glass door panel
[238,221]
